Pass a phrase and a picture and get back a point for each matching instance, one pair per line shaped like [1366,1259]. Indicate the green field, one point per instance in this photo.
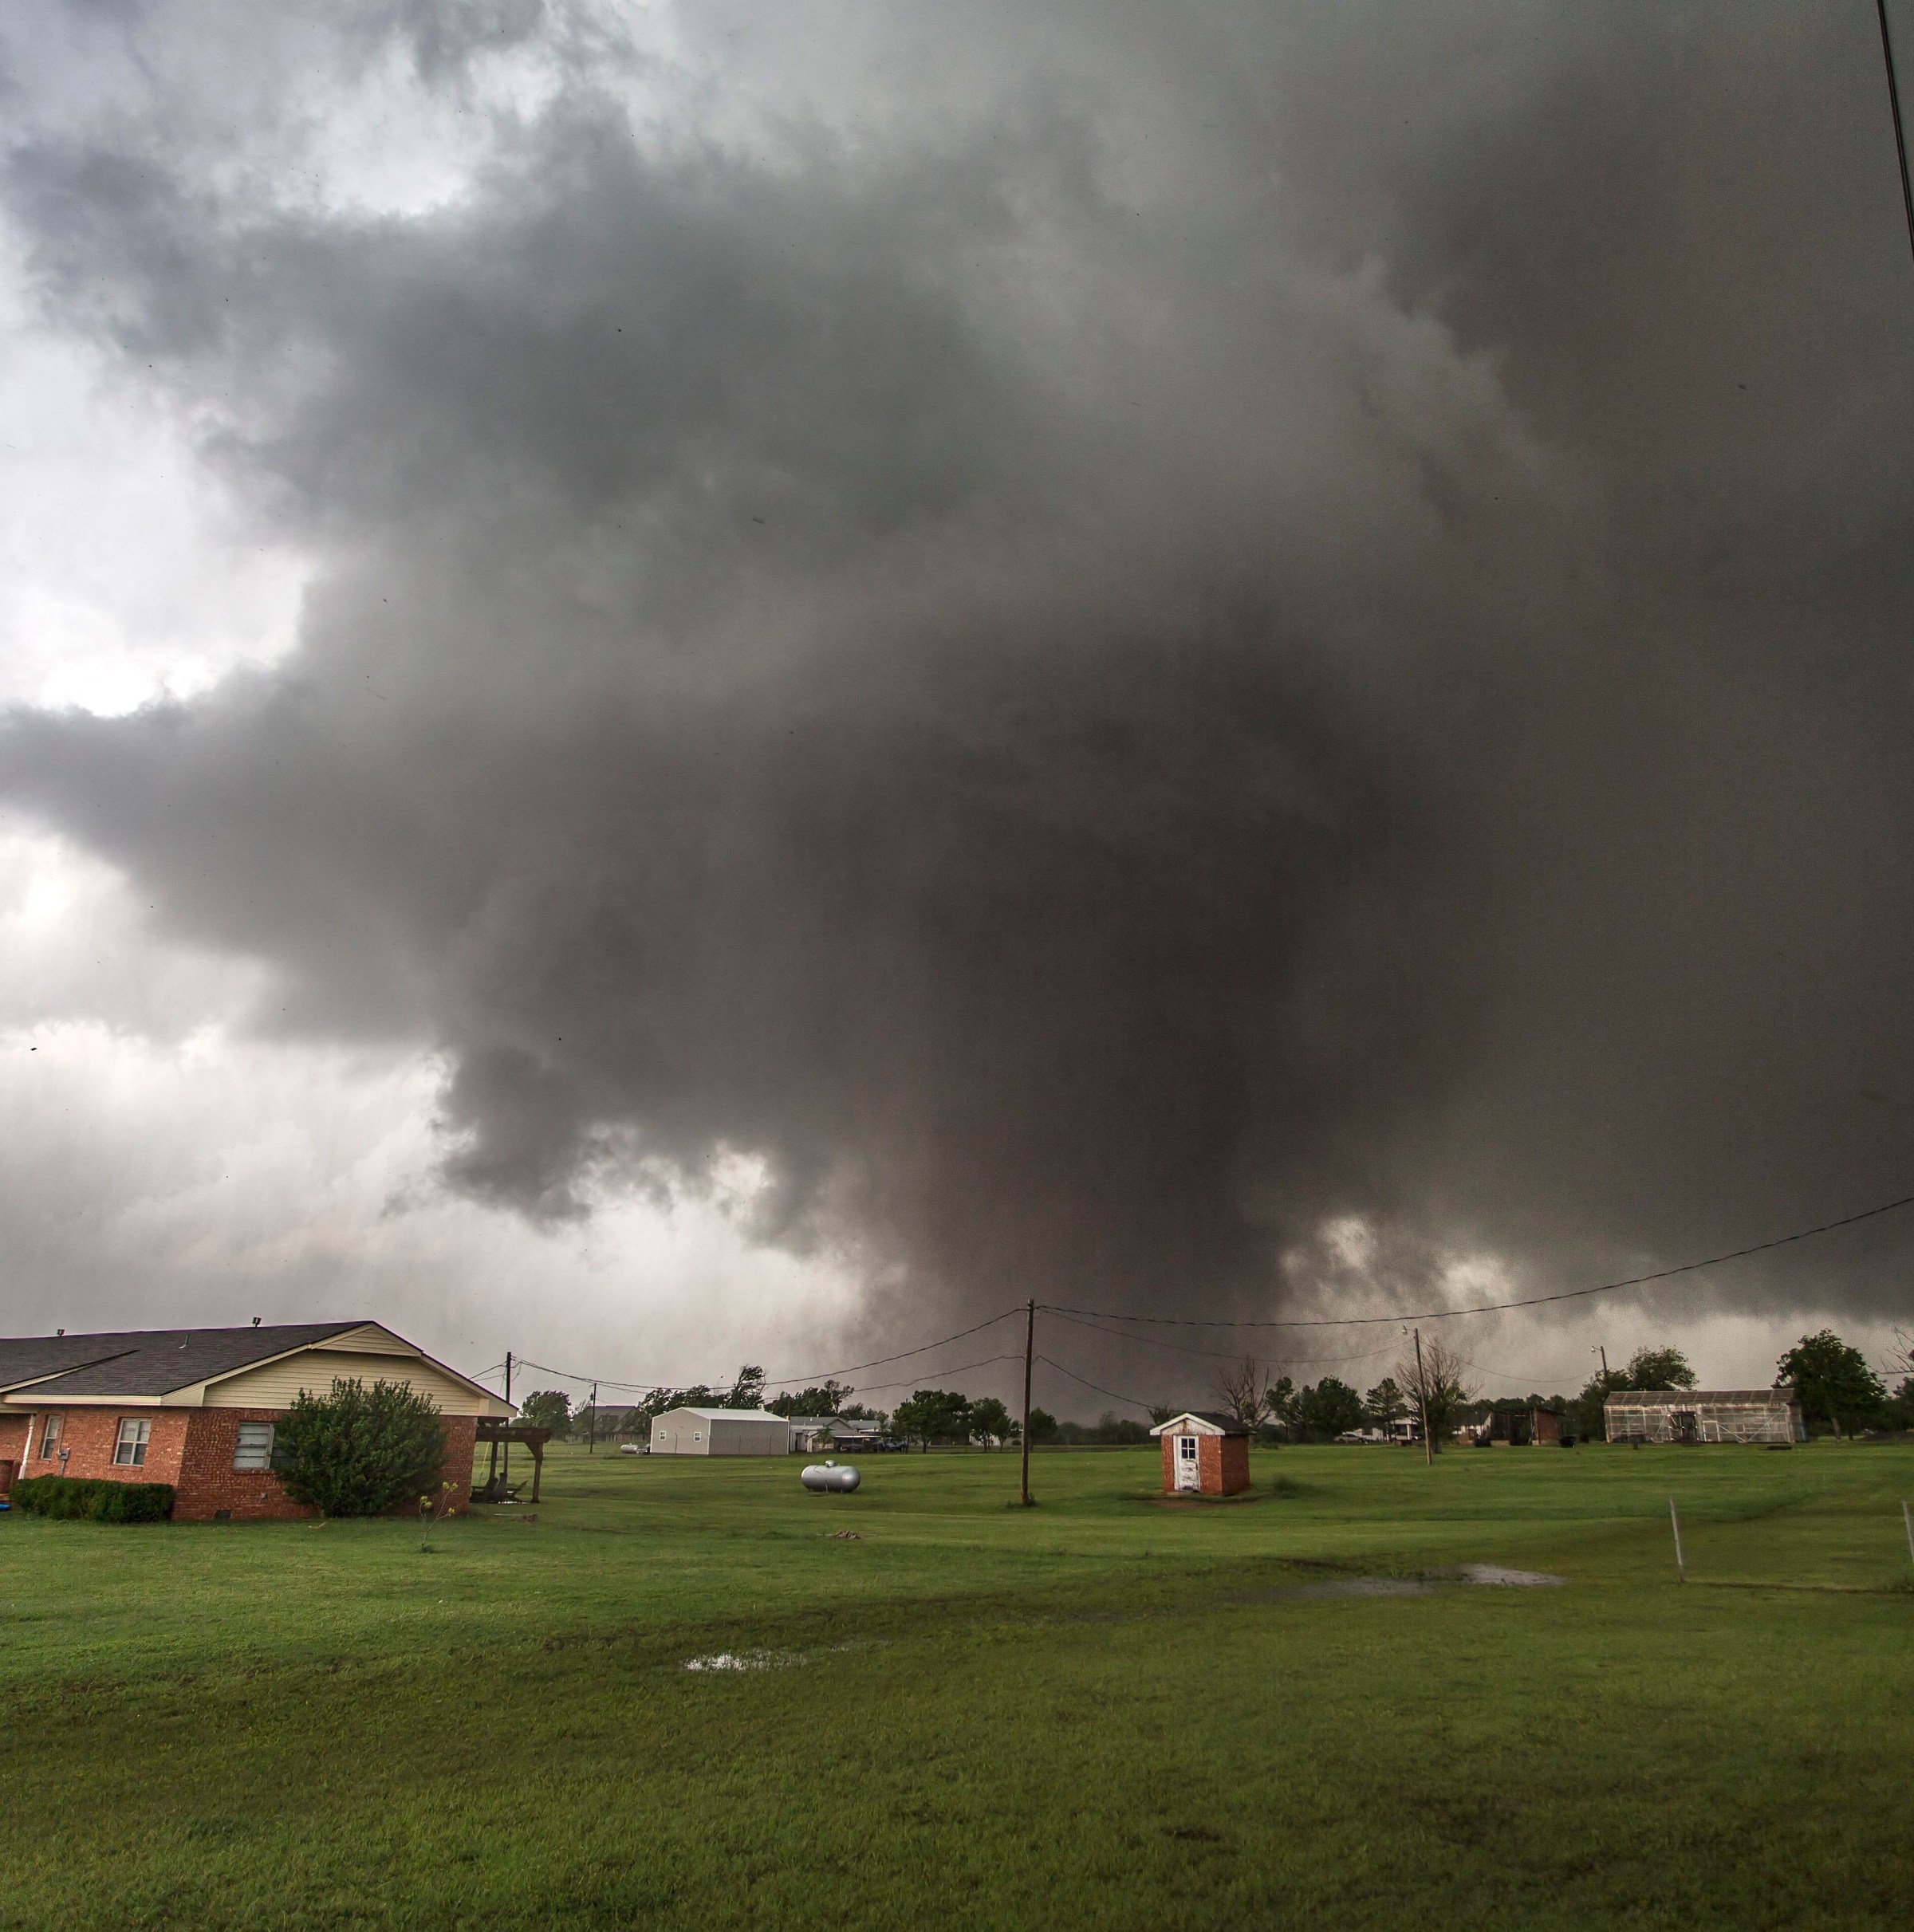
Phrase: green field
[1101,1712]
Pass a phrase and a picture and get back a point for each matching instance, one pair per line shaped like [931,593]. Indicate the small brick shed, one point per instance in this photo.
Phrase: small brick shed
[1204,1454]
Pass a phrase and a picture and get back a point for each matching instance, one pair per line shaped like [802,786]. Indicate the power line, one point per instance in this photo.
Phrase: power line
[1496,1307]
[779,1382]
[1900,138]
[1216,1355]
[1114,1395]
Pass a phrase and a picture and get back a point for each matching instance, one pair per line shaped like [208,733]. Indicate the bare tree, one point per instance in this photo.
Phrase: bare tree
[1435,1388]
[1245,1389]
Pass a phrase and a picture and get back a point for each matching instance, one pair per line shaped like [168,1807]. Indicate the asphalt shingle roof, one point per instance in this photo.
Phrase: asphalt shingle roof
[148,1361]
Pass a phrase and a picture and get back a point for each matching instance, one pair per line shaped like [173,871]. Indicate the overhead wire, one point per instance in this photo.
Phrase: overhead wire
[1492,1308]
[779,1382]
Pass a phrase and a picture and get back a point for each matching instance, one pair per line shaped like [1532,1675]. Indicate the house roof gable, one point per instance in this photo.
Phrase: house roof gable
[146,1363]
[151,1365]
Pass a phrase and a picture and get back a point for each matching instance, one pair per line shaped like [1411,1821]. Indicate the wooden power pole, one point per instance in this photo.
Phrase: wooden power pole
[506,1474]
[1422,1397]
[1030,1349]
[591,1428]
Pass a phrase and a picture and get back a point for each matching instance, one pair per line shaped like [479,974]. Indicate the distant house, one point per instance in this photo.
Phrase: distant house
[810,1433]
[860,1435]
[197,1407]
[1704,1416]
[720,1432]
[1520,1425]
[1204,1453]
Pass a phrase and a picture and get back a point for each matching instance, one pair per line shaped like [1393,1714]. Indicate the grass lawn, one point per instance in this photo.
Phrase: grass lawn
[1102,1712]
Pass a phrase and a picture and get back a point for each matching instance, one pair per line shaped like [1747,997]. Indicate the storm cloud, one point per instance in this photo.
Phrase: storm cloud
[1106,639]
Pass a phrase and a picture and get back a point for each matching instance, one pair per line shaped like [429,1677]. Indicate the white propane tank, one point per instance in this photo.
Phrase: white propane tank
[824,1476]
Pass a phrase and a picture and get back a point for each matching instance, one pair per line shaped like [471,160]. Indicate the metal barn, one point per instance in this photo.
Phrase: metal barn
[720,1432]
[1704,1416]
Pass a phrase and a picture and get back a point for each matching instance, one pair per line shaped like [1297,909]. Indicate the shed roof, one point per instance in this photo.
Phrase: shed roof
[729,1415]
[1208,1422]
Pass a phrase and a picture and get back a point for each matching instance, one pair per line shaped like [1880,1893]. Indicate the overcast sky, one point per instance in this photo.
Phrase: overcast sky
[727,681]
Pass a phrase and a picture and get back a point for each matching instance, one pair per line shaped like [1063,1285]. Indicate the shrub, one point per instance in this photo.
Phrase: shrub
[360,1451]
[93,1499]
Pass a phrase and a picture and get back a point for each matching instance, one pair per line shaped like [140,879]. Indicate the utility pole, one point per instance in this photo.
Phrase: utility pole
[1030,1349]
[1681,1568]
[1603,1353]
[506,1474]
[1422,1396]
[591,1428]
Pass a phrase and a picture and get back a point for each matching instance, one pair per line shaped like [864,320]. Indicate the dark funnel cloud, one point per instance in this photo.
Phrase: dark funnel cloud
[1104,637]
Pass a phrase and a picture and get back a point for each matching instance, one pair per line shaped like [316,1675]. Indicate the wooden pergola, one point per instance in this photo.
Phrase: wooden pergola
[495,1489]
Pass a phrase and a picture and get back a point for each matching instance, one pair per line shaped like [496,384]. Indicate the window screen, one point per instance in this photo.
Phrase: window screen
[50,1432]
[255,1448]
[129,1451]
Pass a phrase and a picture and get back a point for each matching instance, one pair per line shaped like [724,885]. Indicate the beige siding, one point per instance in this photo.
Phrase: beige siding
[370,1339]
[273,1385]
[673,1431]
[737,1437]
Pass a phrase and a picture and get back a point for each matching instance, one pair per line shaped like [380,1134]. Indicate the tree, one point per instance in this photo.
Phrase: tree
[827,1398]
[1330,1408]
[1384,1403]
[990,1422]
[1833,1380]
[360,1451]
[1282,1410]
[1245,1389]
[1435,1388]
[547,1409]
[933,1415]
[747,1391]
[1657,1368]
[1160,1412]
[1044,1427]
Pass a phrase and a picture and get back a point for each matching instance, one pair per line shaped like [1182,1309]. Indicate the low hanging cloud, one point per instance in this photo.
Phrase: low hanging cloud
[1103,666]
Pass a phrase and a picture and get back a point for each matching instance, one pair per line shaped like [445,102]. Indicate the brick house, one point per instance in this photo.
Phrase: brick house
[1204,1454]
[196,1407]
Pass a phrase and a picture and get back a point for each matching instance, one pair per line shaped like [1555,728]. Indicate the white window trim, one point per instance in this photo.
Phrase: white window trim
[142,1435]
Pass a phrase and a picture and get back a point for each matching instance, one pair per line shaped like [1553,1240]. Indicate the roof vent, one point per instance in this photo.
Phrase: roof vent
[255,1321]
[59,1331]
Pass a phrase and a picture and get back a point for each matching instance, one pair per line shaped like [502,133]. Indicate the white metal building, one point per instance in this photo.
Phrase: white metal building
[720,1432]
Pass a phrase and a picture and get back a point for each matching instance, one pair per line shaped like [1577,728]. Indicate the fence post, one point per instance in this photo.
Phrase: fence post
[1681,1568]
[1909,1520]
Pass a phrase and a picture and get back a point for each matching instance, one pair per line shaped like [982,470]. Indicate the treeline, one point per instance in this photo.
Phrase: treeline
[1839,1391]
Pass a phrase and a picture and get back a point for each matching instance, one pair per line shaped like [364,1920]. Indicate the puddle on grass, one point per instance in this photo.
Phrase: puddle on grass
[1492,1576]
[778,1660]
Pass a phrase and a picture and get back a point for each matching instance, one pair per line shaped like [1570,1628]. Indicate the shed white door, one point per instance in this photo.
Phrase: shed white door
[1187,1475]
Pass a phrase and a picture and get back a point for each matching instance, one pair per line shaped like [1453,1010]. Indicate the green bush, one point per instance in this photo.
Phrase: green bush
[94,1500]
[360,1451]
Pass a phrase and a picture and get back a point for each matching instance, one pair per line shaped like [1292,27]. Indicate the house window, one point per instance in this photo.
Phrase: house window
[129,1450]
[50,1432]
[254,1450]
